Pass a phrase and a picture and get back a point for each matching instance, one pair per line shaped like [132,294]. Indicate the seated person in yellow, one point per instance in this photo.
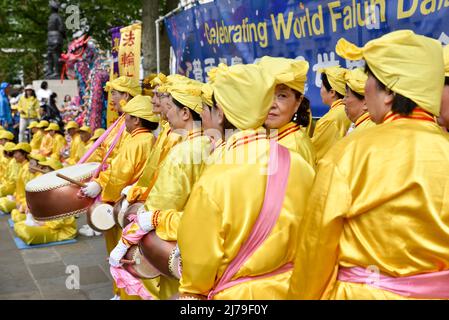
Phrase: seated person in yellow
[334,124]
[33,232]
[20,211]
[354,100]
[72,129]
[8,182]
[53,142]
[290,110]
[20,153]
[96,157]
[37,136]
[5,136]
[85,135]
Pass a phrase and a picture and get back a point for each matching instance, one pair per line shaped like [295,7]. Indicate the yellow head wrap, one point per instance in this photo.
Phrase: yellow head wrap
[6,135]
[141,107]
[206,94]
[245,92]
[160,79]
[9,146]
[292,73]
[406,63]
[52,163]
[446,60]
[124,84]
[97,134]
[336,77]
[22,146]
[187,93]
[356,80]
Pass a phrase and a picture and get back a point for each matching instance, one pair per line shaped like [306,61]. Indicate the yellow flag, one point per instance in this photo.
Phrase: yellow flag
[129,52]
[111,114]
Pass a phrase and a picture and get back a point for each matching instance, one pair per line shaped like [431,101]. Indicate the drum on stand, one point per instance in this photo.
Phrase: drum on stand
[50,197]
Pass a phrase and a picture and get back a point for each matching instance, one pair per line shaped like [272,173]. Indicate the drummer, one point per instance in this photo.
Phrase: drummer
[53,142]
[8,183]
[72,129]
[38,136]
[32,232]
[176,176]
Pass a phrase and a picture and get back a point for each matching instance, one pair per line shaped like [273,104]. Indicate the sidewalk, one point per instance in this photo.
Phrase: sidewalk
[41,273]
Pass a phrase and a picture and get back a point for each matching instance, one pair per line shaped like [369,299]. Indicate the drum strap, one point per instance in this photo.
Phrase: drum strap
[98,142]
[278,172]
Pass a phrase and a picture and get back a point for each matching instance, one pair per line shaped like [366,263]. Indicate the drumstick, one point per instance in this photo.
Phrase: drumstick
[79,184]
[124,261]
[38,169]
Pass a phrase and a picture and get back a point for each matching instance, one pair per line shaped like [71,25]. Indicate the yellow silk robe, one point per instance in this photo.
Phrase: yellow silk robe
[127,166]
[330,128]
[59,143]
[219,216]
[36,141]
[8,183]
[379,200]
[364,122]
[74,146]
[165,141]
[51,231]
[293,138]
[46,147]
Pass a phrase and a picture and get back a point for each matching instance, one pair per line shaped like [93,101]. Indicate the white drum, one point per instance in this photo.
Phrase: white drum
[100,217]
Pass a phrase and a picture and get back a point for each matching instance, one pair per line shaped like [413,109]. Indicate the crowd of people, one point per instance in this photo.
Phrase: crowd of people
[261,202]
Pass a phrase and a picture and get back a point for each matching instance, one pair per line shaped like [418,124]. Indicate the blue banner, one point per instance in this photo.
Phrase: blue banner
[237,31]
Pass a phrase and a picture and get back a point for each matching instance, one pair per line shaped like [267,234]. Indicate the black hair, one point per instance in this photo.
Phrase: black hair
[226,124]
[148,124]
[302,115]
[446,81]
[44,85]
[328,86]
[32,94]
[195,116]
[53,98]
[401,105]
[357,95]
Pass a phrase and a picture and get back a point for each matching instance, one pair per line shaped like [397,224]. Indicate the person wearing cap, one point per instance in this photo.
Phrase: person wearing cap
[97,134]
[12,168]
[72,129]
[443,119]
[291,109]
[5,136]
[379,202]
[32,232]
[29,110]
[177,174]
[85,135]
[334,124]
[53,142]
[7,204]
[354,100]
[5,109]
[210,233]
[37,135]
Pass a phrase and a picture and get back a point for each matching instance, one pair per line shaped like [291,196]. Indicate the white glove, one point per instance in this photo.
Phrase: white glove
[29,221]
[117,254]
[125,205]
[92,189]
[126,190]
[145,219]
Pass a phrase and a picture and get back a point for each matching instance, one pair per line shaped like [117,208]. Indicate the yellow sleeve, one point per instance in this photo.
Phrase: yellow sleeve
[9,182]
[168,224]
[58,145]
[37,106]
[199,232]
[320,230]
[20,105]
[59,223]
[325,136]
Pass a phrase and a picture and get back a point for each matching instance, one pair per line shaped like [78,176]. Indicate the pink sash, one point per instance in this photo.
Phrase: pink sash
[432,285]
[278,171]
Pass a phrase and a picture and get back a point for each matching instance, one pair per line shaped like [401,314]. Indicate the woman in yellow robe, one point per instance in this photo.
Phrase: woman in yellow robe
[8,183]
[176,177]
[227,199]
[37,134]
[7,204]
[290,110]
[72,129]
[354,100]
[334,124]
[379,201]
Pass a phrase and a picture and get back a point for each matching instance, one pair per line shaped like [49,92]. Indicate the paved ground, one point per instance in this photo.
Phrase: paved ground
[42,273]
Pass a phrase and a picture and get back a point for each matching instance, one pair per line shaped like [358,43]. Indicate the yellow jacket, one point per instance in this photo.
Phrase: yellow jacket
[22,178]
[9,180]
[59,143]
[74,146]
[297,140]
[220,214]
[379,200]
[363,122]
[165,141]
[46,147]
[127,166]
[28,107]
[36,141]
[330,128]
